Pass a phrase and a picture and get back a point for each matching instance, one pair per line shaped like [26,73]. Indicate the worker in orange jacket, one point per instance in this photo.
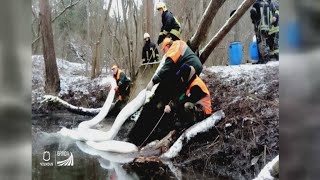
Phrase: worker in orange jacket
[177,53]
[195,103]
[123,83]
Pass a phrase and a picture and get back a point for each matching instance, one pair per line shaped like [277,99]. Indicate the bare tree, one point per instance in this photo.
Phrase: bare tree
[55,18]
[225,29]
[134,15]
[205,23]
[52,83]
[97,53]
[35,29]
[125,5]
[148,16]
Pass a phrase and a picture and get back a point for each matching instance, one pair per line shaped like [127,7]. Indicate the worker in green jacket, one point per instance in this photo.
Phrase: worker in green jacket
[177,53]
[123,83]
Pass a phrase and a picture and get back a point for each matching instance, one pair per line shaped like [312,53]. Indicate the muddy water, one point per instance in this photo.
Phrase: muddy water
[49,149]
[45,143]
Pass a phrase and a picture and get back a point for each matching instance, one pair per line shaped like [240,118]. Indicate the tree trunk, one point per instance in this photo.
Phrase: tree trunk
[52,83]
[94,61]
[205,23]
[130,30]
[88,36]
[225,29]
[96,57]
[135,14]
[149,16]
[124,13]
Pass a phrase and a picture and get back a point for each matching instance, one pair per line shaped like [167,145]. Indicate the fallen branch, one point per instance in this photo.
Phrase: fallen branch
[158,146]
[99,112]
[70,107]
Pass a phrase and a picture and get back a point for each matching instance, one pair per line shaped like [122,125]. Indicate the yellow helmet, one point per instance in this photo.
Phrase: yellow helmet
[161,5]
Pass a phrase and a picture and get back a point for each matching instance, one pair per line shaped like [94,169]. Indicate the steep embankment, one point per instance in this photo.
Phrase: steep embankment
[249,135]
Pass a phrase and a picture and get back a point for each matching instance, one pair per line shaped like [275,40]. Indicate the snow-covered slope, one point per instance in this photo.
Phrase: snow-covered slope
[254,76]
[72,77]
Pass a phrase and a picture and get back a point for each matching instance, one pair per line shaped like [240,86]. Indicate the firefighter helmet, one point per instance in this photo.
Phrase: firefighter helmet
[161,5]
[146,35]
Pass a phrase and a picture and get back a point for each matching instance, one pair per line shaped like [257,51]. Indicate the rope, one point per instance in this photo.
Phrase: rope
[154,127]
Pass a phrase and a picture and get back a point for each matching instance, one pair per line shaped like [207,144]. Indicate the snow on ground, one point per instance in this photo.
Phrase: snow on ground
[247,73]
[233,72]
[72,77]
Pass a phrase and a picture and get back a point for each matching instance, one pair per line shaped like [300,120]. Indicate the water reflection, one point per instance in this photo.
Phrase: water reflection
[89,163]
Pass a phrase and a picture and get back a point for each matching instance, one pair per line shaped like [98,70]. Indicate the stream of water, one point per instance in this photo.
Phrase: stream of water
[57,157]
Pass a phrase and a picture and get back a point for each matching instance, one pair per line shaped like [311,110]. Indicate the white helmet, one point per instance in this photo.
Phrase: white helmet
[146,35]
[161,5]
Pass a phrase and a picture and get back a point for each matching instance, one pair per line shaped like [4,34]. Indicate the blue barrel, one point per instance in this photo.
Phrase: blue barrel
[294,35]
[253,52]
[235,53]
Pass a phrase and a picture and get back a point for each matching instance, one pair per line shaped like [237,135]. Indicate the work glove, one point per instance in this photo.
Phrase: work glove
[116,88]
[167,109]
[189,107]
[150,85]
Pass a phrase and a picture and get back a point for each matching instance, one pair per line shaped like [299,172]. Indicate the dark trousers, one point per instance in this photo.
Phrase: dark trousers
[273,44]
[124,91]
[263,48]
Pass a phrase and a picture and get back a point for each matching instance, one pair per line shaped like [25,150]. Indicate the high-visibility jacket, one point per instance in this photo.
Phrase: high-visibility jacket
[275,25]
[170,24]
[150,52]
[178,54]
[206,100]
